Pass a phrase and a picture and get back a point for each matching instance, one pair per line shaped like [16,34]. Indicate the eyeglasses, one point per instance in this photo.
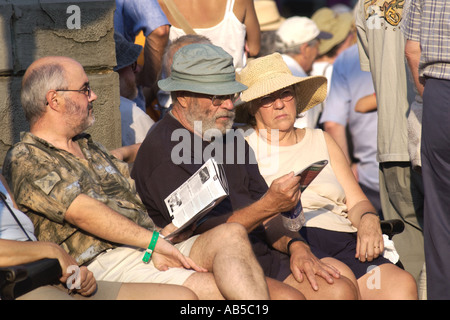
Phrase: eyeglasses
[86,90]
[217,101]
[284,95]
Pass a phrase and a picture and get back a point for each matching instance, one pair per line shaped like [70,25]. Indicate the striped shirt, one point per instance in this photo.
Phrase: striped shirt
[428,22]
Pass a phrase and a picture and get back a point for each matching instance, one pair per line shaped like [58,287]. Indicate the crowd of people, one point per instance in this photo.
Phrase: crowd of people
[292,90]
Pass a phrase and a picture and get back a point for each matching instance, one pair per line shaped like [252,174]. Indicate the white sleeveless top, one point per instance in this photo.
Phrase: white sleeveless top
[229,34]
[324,199]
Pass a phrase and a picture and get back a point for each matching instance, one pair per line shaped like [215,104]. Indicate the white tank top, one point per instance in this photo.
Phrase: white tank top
[229,34]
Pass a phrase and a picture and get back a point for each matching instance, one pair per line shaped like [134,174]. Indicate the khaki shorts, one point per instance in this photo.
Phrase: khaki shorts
[124,264]
[105,291]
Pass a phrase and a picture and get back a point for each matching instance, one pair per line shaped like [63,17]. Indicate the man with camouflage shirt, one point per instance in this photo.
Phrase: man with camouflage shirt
[81,197]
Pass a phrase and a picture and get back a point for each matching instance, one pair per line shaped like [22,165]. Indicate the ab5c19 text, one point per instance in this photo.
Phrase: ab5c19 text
[228,309]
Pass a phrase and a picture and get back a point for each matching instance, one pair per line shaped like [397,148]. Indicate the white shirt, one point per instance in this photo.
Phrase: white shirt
[134,121]
[9,228]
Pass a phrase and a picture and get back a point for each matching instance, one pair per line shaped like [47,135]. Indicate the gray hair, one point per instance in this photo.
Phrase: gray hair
[175,45]
[35,87]
[282,47]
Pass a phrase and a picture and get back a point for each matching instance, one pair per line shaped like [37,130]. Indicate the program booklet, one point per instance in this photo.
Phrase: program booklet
[197,196]
[308,174]
[295,218]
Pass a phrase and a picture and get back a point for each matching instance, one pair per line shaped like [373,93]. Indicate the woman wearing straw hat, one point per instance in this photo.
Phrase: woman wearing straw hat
[340,220]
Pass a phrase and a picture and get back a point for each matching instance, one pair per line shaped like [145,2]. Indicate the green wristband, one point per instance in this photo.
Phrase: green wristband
[151,247]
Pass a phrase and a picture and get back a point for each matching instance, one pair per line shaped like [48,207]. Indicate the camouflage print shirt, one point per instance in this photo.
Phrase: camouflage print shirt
[45,180]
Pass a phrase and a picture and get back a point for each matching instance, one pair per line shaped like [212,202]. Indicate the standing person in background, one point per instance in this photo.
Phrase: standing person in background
[339,117]
[341,27]
[427,51]
[381,49]
[135,123]
[132,17]
[230,24]
[269,19]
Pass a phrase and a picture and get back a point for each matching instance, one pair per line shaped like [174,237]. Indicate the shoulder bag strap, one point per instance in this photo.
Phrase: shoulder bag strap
[176,14]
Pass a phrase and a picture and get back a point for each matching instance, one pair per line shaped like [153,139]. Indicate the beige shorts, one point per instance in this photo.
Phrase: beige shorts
[124,264]
[105,291]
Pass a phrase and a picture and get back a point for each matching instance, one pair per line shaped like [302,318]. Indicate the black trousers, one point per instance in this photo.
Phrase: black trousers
[435,151]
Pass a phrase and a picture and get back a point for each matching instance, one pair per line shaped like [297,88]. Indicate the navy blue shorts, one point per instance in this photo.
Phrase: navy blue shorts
[338,245]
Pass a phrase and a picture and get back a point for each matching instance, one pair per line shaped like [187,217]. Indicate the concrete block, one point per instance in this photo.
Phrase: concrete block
[107,126]
[13,119]
[6,54]
[43,28]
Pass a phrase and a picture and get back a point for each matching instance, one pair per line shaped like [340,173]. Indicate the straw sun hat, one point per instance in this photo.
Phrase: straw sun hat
[269,17]
[269,74]
[339,25]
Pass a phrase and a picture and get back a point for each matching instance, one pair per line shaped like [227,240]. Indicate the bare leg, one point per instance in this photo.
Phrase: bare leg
[154,291]
[226,252]
[388,282]
[281,291]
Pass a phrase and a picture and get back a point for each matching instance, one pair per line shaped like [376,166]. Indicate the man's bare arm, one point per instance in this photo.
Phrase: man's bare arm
[412,53]
[283,195]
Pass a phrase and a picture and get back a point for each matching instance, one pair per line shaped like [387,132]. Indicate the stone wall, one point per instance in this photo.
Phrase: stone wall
[83,30]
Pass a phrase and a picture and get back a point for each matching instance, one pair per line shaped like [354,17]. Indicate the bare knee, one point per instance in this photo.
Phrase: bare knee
[204,286]
[345,289]
[406,286]
[232,231]
[388,282]
[229,235]
[281,291]
[340,289]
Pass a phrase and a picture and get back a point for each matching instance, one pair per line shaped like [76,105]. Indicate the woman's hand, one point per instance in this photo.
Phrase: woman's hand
[77,279]
[369,238]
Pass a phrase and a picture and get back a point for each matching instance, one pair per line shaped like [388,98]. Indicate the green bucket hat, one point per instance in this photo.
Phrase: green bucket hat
[202,68]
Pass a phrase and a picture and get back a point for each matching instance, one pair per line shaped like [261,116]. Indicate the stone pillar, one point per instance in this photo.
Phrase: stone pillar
[82,30]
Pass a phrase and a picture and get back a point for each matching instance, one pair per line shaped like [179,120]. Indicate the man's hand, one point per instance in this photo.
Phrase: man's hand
[167,256]
[184,235]
[303,261]
[284,193]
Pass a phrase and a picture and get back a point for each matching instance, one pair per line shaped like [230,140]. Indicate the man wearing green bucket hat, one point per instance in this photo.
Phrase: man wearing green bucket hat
[203,87]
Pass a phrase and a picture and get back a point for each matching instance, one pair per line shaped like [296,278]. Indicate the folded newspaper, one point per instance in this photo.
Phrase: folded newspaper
[197,196]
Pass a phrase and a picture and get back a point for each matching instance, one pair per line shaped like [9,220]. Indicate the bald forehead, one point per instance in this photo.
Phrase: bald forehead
[70,65]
